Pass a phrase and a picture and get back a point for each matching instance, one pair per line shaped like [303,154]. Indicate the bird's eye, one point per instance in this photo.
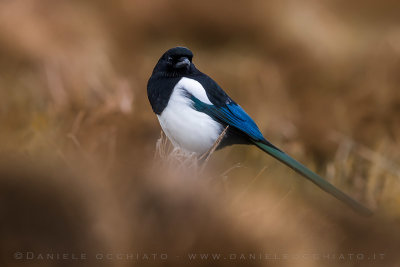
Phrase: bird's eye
[169,59]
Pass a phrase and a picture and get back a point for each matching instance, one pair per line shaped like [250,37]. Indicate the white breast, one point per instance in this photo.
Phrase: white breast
[187,128]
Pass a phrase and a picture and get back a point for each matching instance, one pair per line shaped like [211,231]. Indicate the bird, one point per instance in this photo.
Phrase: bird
[193,111]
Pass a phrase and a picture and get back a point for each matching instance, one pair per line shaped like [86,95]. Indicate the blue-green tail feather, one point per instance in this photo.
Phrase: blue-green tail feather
[313,177]
[233,115]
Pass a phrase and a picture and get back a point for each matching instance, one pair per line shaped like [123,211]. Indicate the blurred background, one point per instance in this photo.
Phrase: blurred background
[78,136]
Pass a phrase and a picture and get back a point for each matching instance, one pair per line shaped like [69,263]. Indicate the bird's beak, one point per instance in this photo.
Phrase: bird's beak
[184,62]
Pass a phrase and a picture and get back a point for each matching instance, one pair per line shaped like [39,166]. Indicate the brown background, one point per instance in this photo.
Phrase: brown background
[77,134]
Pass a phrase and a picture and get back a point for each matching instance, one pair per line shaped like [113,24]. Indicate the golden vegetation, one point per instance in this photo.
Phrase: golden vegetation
[78,137]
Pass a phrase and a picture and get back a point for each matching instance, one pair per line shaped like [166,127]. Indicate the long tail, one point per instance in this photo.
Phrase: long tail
[313,177]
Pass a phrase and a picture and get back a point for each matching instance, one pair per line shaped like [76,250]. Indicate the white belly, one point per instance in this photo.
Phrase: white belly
[188,129]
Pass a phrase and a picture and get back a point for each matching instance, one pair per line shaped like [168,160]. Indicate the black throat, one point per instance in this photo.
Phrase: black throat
[159,90]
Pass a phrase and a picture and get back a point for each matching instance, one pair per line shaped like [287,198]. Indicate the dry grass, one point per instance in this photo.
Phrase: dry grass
[77,133]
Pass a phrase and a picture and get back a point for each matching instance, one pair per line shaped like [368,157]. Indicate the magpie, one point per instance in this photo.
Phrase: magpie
[193,111]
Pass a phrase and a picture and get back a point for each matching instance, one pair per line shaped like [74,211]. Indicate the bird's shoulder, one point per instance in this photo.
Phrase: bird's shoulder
[214,92]
[224,109]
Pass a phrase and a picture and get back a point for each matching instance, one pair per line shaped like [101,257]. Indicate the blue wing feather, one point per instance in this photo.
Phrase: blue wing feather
[233,115]
[230,114]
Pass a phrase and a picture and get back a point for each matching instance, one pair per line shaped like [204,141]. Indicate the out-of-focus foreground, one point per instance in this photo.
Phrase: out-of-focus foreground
[78,137]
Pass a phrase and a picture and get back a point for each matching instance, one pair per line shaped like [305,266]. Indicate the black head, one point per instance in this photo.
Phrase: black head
[176,61]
